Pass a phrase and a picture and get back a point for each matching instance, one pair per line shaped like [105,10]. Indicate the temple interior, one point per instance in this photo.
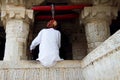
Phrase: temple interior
[73,42]
[90,39]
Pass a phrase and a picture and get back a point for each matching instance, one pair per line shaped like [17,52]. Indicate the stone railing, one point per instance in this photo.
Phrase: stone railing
[33,70]
[103,63]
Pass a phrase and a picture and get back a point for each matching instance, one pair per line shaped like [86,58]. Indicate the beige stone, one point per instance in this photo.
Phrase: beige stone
[97,20]
[16,20]
[33,70]
[103,61]
[16,40]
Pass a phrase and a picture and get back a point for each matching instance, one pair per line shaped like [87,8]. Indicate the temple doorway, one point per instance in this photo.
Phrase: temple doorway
[115,24]
[2,42]
[73,41]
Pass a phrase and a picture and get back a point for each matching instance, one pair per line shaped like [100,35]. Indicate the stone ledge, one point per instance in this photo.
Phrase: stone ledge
[36,64]
[33,70]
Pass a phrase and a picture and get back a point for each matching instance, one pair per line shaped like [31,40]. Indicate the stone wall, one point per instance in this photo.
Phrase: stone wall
[103,63]
[79,43]
[33,70]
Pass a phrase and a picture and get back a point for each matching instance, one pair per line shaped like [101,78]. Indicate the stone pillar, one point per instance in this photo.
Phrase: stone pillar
[16,20]
[97,20]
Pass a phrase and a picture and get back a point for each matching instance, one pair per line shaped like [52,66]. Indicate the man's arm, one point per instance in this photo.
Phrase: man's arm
[36,41]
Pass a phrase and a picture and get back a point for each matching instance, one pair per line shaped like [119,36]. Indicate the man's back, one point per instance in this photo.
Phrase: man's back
[49,41]
[50,38]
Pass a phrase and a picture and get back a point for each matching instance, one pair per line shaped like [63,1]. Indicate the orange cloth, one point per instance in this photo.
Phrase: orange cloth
[52,23]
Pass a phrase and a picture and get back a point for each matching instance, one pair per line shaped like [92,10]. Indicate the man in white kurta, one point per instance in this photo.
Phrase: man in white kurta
[50,42]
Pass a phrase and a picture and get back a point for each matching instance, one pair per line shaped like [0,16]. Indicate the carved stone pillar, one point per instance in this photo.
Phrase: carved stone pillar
[15,2]
[16,20]
[97,20]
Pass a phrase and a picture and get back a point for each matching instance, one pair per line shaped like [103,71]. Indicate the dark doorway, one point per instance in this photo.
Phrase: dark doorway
[66,45]
[115,24]
[2,42]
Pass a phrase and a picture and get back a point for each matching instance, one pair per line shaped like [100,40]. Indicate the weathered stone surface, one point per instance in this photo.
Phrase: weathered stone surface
[33,70]
[110,44]
[16,2]
[103,63]
[17,20]
[102,2]
[12,11]
[16,40]
[97,20]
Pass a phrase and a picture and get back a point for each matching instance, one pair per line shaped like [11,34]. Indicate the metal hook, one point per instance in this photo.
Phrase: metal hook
[53,11]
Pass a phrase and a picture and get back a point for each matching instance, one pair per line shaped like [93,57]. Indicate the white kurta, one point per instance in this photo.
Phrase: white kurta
[50,42]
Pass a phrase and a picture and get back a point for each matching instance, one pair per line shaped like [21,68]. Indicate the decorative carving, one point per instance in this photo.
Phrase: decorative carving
[80,1]
[16,36]
[16,20]
[16,12]
[97,20]
[16,2]
[102,2]
[99,13]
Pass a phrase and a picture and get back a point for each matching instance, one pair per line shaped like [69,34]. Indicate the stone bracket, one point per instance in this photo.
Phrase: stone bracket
[99,12]
[16,12]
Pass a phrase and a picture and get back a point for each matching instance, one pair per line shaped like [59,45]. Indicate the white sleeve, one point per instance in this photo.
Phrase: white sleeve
[36,41]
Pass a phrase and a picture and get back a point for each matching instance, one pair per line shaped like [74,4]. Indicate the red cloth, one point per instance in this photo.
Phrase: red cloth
[51,23]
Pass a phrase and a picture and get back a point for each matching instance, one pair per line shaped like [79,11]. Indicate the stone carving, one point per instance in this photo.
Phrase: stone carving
[16,2]
[16,40]
[104,60]
[99,12]
[102,2]
[16,20]
[16,12]
[97,20]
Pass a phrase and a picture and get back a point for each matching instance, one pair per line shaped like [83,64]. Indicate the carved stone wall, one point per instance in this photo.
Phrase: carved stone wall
[15,2]
[16,20]
[97,20]
[103,61]
[33,70]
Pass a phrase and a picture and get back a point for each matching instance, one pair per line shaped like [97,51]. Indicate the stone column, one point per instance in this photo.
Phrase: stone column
[97,20]
[16,20]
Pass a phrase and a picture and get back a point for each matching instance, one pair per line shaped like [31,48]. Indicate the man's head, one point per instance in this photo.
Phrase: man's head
[52,24]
